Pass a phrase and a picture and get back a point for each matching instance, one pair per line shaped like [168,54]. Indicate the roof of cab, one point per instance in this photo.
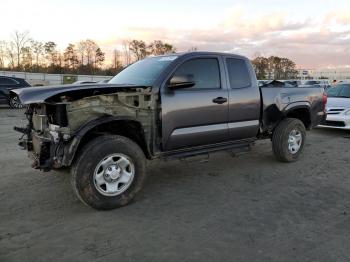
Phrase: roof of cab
[196,53]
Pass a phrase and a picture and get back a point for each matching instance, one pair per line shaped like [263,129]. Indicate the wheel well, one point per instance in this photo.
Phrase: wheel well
[303,114]
[127,128]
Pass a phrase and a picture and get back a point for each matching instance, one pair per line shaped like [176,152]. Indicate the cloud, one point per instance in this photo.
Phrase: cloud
[318,42]
[339,16]
[272,22]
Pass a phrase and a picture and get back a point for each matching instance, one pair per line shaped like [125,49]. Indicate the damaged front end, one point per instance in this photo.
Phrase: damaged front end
[45,136]
[54,127]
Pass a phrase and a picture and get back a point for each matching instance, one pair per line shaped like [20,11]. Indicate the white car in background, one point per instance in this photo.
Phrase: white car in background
[338,107]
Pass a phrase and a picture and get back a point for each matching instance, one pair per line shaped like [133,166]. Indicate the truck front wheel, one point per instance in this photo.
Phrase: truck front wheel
[109,171]
[288,140]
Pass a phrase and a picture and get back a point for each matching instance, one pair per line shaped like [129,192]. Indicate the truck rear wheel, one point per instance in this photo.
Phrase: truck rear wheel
[288,140]
[108,173]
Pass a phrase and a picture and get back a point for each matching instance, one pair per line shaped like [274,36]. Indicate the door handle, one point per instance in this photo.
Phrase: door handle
[220,100]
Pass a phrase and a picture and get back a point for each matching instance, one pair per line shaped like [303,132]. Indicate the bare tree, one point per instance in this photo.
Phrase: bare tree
[11,54]
[27,58]
[116,64]
[71,57]
[3,45]
[81,51]
[261,65]
[274,67]
[126,52]
[157,47]
[19,41]
[86,57]
[38,50]
[138,48]
[90,49]
[50,51]
[99,58]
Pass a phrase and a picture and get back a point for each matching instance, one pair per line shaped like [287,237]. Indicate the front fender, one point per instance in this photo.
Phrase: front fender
[71,148]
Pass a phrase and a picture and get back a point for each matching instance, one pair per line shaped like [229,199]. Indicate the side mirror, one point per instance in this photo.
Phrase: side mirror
[181,81]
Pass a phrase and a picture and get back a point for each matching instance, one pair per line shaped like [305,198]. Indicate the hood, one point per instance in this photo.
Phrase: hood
[32,95]
[338,102]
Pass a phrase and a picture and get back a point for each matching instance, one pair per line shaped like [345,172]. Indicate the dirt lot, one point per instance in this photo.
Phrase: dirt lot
[248,208]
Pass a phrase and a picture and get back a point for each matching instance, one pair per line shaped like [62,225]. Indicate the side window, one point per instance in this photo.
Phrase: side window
[205,72]
[238,73]
[7,81]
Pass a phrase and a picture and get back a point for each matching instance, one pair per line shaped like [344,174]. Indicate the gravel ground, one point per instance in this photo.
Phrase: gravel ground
[247,208]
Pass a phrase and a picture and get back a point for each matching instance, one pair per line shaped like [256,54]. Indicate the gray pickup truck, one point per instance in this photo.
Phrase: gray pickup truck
[172,106]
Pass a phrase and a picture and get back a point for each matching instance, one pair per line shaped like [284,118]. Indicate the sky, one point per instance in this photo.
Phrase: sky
[314,34]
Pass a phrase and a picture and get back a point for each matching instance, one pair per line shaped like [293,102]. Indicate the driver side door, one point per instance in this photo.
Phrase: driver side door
[197,115]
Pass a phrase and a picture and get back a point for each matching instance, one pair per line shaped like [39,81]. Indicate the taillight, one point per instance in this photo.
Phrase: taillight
[324,100]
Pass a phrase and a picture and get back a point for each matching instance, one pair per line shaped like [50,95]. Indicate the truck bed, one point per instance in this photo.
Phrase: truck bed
[276,102]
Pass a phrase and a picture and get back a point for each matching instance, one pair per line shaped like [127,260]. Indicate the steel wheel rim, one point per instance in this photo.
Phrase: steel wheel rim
[114,174]
[295,140]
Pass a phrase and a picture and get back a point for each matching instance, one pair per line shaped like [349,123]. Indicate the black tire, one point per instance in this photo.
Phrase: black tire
[82,171]
[280,137]
[15,103]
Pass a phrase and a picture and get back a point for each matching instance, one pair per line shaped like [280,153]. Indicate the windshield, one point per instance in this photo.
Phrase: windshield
[144,72]
[339,91]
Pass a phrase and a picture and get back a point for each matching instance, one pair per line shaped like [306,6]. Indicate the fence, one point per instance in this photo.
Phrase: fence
[52,79]
[59,79]
[331,74]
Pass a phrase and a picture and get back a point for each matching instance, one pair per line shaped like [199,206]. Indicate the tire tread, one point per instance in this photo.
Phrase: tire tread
[280,133]
[90,148]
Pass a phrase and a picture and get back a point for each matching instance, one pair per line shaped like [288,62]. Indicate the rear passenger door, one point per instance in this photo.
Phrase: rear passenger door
[197,115]
[244,99]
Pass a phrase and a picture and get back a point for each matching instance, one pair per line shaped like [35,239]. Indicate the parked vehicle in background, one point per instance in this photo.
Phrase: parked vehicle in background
[6,85]
[263,82]
[325,84]
[338,107]
[292,83]
[104,81]
[319,83]
[311,83]
[84,82]
[279,83]
[172,106]
[274,83]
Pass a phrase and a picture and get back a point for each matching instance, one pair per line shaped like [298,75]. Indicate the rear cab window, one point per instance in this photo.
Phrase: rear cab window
[238,73]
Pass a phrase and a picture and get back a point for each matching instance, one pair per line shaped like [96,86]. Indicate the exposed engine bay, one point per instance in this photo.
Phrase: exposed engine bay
[54,125]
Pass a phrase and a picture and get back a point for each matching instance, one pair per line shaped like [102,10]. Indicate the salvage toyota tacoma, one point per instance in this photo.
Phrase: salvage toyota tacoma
[170,106]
